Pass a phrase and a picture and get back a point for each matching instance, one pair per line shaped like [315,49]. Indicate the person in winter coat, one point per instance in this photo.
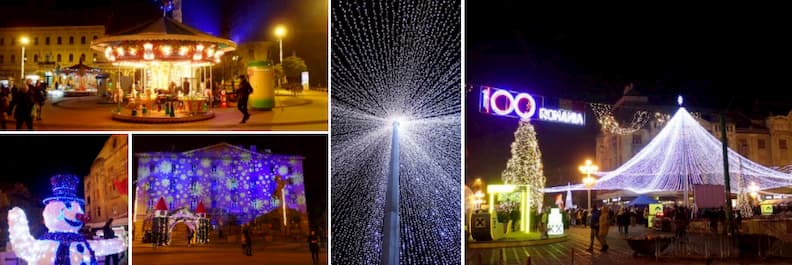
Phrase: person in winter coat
[243,93]
[108,232]
[22,107]
[313,245]
[594,224]
[604,226]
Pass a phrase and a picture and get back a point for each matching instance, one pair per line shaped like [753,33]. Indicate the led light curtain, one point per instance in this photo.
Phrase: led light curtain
[683,150]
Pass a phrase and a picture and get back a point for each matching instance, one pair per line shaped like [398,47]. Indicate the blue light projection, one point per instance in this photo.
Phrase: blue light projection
[236,180]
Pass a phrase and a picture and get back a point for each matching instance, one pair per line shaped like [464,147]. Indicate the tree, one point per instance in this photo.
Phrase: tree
[293,67]
[525,165]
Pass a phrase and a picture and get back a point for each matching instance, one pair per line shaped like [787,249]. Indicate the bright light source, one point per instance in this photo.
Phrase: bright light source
[24,40]
[280,31]
[500,188]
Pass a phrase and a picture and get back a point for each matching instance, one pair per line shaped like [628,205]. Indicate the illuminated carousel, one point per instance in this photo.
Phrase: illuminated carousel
[171,71]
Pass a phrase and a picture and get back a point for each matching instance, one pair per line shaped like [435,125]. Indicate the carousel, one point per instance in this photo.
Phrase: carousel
[168,71]
[78,80]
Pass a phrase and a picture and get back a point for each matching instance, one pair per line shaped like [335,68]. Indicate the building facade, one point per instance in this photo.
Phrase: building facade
[106,187]
[49,48]
[236,185]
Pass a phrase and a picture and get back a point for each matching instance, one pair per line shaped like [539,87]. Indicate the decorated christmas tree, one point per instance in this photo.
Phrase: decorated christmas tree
[525,165]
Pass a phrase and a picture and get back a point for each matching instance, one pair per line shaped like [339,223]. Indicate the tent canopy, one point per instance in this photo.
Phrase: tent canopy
[682,155]
[642,200]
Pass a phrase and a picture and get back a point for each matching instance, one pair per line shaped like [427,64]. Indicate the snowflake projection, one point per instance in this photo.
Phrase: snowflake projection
[283,170]
[165,167]
[206,176]
[396,58]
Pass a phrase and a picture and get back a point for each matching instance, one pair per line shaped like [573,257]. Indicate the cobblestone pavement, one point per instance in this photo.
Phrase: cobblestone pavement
[573,250]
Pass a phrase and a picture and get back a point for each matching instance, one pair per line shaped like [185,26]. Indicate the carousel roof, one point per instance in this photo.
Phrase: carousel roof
[162,28]
[79,67]
[684,154]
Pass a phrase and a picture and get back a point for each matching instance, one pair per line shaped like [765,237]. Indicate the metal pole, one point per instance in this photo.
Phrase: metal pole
[280,45]
[589,198]
[726,178]
[22,72]
[391,242]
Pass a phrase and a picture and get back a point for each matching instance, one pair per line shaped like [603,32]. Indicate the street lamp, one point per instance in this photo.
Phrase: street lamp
[280,31]
[589,181]
[24,41]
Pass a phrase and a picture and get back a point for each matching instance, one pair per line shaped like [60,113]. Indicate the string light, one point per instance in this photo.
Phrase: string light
[684,151]
[63,244]
[607,121]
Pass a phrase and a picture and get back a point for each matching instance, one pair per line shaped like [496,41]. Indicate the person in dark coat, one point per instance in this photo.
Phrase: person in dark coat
[313,245]
[248,241]
[108,234]
[22,106]
[243,93]
[5,102]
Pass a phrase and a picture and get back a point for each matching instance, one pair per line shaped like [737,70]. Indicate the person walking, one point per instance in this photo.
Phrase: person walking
[22,106]
[5,102]
[604,226]
[313,245]
[248,241]
[109,234]
[39,97]
[594,226]
[243,93]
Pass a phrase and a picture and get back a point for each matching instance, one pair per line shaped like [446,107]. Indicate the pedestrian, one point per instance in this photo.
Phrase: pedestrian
[604,226]
[543,224]
[39,97]
[243,92]
[5,102]
[189,237]
[248,242]
[313,245]
[594,226]
[681,220]
[108,233]
[22,106]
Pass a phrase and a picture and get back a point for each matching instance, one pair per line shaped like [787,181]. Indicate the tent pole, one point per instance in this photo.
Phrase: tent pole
[726,178]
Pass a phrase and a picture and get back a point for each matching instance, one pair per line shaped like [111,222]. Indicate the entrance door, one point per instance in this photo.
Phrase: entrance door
[178,235]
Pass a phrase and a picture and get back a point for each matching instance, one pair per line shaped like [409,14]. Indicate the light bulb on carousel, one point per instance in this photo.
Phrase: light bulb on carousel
[63,244]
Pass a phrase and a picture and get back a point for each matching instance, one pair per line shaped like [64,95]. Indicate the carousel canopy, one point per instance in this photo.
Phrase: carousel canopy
[80,68]
[683,151]
[163,39]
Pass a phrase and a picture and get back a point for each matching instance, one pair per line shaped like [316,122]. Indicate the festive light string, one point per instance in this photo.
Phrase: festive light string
[396,58]
[604,114]
[683,150]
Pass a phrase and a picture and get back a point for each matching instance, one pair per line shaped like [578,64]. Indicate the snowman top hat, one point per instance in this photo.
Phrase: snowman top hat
[64,188]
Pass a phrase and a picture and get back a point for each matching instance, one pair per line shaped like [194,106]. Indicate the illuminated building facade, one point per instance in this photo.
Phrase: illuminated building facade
[106,187]
[235,184]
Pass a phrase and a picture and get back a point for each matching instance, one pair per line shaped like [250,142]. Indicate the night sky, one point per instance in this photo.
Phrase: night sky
[33,159]
[238,20]
[312,147]
[732,59]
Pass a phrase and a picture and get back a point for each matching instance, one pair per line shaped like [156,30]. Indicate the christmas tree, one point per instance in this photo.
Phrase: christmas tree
[743,201]
[525,165]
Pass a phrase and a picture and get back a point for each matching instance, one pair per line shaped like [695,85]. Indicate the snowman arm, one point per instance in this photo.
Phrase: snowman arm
[106,247]
[24,245]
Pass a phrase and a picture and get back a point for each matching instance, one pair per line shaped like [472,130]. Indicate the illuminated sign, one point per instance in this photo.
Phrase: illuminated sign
[524,106]
[655,210]
[767,209]
[555,222]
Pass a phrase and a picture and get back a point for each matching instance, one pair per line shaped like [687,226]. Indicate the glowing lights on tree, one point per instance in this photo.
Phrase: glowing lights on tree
[525,165]
[63,215]
[684,151]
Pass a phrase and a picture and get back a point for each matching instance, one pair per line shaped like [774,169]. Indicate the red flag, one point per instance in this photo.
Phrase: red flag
[121,186]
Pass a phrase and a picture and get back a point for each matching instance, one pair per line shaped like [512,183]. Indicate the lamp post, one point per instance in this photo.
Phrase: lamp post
[589,181]
[24,42]
[280,31]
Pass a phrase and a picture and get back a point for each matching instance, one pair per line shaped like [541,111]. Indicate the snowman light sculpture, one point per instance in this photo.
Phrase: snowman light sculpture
[62,245]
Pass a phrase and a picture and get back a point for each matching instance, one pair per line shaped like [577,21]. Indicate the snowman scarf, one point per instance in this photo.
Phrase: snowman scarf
[64,241]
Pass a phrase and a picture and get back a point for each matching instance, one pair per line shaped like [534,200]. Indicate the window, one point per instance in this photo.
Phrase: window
[13,41]
[35,41]
[88,199]
[782,144]
[761,143]
[59,41]
[2,59]
[59,57]
[13,58]
[71,57]
[94,37]
[98,212]
[35,58]
[82,40]
[2,41]
[71,39]
[46,40]
[94,57]
[82,59]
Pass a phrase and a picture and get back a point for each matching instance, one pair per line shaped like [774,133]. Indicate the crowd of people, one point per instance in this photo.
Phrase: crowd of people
[20,100]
